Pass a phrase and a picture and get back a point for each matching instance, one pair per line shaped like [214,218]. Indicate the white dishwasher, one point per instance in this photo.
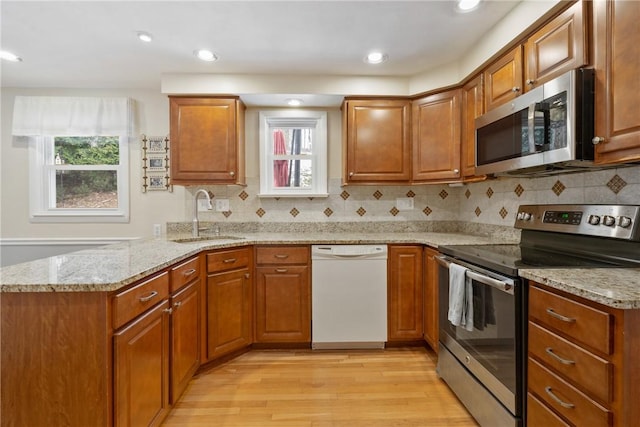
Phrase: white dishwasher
[348,296]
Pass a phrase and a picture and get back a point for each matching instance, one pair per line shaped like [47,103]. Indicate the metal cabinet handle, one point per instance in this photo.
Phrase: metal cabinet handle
[232,173]
[177,304]
[168,310]
[281,256]
[149,297]
[281,270]
[597,140]
[515,89]
[557,399]
[350,173]
[530,82]
[552,313]
[247,275]
[229,260]
[456,171]
[562,360]
[189,272]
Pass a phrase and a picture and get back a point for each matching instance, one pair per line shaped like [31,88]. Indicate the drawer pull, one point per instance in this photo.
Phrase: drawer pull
[281,270]
[189,272]
[562,360]
[557,399]
[229,260]
[281,256]
[149,297]
[168,310]
[560,316]
[177,304]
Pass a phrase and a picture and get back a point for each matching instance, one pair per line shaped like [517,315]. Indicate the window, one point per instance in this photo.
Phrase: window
[78,156]
[79,179]
[293,153]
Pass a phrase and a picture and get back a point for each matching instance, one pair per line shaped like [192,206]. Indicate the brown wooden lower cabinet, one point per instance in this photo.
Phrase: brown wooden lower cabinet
[404,297]
[141,374]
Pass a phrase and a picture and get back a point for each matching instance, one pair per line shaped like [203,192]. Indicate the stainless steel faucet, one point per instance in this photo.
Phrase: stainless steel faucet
[195,230]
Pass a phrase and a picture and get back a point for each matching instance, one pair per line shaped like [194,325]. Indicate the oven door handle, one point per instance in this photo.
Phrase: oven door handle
[497,284]
[494,283]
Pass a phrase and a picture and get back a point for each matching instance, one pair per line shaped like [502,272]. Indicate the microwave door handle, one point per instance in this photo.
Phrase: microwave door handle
[531,122]
[497,284]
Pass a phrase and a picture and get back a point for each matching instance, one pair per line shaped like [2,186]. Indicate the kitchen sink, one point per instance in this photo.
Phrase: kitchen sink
[205,238]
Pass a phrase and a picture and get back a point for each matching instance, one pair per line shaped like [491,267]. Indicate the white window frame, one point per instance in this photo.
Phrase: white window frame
[42,186]
[291,118]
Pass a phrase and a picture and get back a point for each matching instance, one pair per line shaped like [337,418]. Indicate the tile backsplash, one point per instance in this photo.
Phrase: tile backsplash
[494,201]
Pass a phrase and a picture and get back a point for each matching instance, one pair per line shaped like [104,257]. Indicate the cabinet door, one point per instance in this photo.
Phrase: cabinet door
[617,60]
[283,304]
[431,298]
[472,108]
[503,79]
[405,293]
[228,312]
[206,144]
[559,46]
[185,337]
[141,369]
[436,137]
[377,147]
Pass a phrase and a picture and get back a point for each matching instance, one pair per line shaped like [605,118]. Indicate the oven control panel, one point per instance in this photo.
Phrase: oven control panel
[615,221]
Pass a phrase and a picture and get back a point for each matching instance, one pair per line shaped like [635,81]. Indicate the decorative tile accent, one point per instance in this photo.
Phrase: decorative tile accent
[411,194]
[261,212]
[489,192]
[427,211]
[311,198]
[519,190]
[394,211]
[467,193]
[328,212]
[503,212]
[478,211]
[558,188]
[294,212]
[377,194]
[345,195]
[361,211]
[243,195]
[227,214]
[443,194]
[616,184]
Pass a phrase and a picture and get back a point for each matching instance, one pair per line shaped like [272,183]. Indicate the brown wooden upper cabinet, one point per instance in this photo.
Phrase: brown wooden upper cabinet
[472,108]
[377,139]
[559,46]
[617,60]
[436,137]
[207,140]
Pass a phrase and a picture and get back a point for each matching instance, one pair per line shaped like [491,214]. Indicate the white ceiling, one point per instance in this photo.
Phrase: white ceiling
[93,44]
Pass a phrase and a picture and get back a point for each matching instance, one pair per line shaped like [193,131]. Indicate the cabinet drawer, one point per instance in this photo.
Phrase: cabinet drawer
[585,324]
[538,415]
[184,273]
[134,301]
[565,399]
[228,260]
[282,255]
[592,373]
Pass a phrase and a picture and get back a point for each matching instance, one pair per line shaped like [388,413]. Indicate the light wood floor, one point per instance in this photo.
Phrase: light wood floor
[304,388]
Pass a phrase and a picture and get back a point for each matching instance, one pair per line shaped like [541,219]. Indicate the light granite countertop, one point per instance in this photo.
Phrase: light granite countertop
[109,268]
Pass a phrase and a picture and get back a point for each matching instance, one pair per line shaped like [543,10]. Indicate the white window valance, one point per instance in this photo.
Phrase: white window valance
[72,116]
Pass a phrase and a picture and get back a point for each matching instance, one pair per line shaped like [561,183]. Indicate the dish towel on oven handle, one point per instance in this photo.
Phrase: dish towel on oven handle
[460,297]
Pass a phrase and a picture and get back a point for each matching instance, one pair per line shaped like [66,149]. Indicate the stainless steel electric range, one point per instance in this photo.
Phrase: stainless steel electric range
[483,301]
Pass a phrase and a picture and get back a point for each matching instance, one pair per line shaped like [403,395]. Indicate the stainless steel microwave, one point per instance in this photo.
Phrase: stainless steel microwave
[545,130]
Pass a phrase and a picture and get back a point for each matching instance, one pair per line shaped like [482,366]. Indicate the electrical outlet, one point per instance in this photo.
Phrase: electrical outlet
[157,230]
[404,203]
[222,205]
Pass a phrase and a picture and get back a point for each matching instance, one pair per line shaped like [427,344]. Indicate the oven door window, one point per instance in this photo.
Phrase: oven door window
[492,341]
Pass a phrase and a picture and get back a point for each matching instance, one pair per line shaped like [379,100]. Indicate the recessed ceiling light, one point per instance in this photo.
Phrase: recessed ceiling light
[467,5]
[9,56]
[294,102]
[205,55]
[376,58]
[144,36]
